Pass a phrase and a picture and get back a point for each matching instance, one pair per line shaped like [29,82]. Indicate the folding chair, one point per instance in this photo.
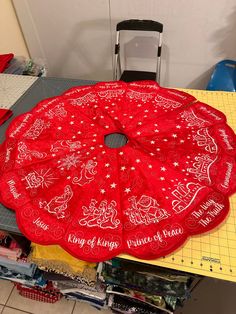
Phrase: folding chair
[137,25]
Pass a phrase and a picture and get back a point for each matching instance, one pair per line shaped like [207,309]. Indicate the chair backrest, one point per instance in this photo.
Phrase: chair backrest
[138,25]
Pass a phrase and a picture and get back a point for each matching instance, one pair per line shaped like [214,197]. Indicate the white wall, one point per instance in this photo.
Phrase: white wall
[76,37]
[11,38]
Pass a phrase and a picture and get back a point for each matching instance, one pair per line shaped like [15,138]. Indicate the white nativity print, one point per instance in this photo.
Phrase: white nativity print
[84,100]
[26,154]
[87,173]
[65,145]
[204,139]
[201,167]
[35,179]
[58,111]
[139,95]
[58,204]
[166,103]
[36,129]
[146,211]
[110,93]
[101,215]
[69,161]
[192,119]
[184,195]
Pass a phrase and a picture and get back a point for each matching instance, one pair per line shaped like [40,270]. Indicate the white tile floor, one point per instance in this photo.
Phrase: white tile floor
[210,297]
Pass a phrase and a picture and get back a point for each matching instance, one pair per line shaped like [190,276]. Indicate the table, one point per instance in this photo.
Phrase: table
[212,254]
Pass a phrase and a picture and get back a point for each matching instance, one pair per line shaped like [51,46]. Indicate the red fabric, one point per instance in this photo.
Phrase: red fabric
[4,61]
[5,114]
[48,294]
[170,181]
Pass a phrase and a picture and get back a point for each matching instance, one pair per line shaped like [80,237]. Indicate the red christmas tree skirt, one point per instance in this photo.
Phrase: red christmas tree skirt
[171,180]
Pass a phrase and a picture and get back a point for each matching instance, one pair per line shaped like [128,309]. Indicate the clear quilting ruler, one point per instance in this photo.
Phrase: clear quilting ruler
[12,87]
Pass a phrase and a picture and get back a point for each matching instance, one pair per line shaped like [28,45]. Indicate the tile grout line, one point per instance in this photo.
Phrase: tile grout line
[9,294]
[11,307]
[73,307]
[5,305]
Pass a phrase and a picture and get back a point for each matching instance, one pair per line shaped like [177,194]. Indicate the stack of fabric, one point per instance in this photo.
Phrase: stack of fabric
[5,60]
[8,247]
[74,278]
[135,289]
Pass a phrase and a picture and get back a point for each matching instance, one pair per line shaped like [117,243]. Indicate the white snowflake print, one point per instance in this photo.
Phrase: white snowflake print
[69,161]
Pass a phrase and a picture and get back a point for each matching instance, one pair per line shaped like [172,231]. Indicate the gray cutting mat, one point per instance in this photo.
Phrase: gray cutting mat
[42,88]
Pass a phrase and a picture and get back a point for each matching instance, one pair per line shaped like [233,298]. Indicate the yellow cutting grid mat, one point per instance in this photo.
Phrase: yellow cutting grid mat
[212,254]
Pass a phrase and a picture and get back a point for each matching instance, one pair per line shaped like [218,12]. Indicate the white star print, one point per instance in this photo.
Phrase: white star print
[156,130]
[137,160]
[103,152]
[178,126]
[163,169]
[82,122]
[113,185]
[127,190]
[123,168]
[181,141]
[174,135]
[72,122]
[121,153]
[138,133]
[107,126]
[165,140]
[107,165]
[108,176]
[132,168]
[140,123]
[53,155]
[92,148]
[152,142]
[175,164]
[59,128]
[68,177]
[162,178]
[150,166]
[79,132]
[102,191]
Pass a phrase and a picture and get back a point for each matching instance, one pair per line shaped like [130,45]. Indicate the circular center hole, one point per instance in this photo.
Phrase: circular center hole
[115,140]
